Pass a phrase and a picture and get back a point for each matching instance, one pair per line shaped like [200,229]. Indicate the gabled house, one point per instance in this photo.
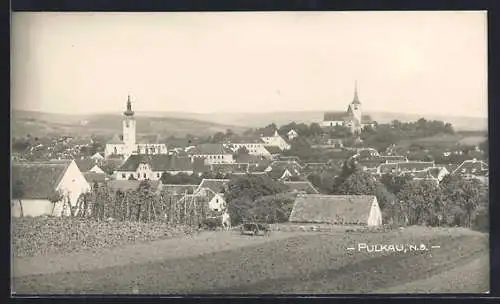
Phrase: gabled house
[274,139]
[284,170]
[88,165]
[213,189]
[151,167]
[39,181]
[96,178]
[435,174]
[212,153]
[97,157]
[274,151]
[473,169]
[336,209]
[254,146]
[302,187]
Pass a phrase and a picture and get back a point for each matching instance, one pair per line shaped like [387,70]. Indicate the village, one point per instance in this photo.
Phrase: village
[313,166]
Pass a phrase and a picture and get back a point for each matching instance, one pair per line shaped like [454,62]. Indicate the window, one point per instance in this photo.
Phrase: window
[158,175]
[131,175]
[124,175]
[144,175]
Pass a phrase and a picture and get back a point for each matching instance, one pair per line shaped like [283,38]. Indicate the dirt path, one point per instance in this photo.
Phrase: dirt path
[206,242]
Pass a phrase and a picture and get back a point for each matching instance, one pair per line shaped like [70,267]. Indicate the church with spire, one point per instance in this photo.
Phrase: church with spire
[122,146]
[352,118]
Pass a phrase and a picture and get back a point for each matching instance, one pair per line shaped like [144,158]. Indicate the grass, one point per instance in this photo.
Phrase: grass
[300,263]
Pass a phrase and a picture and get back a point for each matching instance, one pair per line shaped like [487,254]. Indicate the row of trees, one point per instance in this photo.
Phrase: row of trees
[454,202]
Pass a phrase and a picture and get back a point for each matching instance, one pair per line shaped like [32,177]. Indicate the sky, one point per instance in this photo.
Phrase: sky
[403,62]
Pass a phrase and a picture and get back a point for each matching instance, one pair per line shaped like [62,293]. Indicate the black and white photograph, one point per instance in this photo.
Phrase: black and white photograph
[249,153]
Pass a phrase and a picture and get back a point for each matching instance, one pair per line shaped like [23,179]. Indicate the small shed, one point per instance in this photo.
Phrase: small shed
[336,209]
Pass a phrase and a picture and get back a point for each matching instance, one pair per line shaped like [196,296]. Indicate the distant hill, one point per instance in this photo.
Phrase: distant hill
[280,118]
[39,124]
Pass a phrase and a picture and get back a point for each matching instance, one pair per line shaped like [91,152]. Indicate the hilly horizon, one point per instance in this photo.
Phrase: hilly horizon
[201,124]
[256,119]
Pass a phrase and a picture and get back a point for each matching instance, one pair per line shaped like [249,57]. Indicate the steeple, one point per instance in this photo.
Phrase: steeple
[356,99]
[129,111]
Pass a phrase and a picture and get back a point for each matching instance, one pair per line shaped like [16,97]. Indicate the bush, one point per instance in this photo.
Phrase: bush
[49,235]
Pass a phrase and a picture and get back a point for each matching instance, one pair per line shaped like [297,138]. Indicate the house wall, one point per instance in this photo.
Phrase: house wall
[375,216]
[152,148]
[217,202]
[331,123]
[177,172]
[215,158]
[73,184]
[253,149]
[276,141]
[31,207]
[139,174]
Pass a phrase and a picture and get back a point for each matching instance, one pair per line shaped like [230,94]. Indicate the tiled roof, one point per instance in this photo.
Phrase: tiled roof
[228,168]
[273,149]
[268,133]
[92,177]
[40,179]
[472,167]
[318,208]
[248,158]
[279,168]
[199,166]
[334,116]
[158,162]
[394,158]
[85,164]
[388,168]
[301,186]
[247,140]
[412,165]
[210,149]
[216,185]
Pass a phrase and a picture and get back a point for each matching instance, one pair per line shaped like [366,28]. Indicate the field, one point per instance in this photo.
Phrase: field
[285,262]
[445,140]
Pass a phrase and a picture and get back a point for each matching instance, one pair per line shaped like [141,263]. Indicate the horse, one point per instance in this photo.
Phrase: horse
[226,221]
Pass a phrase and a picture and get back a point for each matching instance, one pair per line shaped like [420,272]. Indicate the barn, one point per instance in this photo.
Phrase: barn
[336,209]
[36,182]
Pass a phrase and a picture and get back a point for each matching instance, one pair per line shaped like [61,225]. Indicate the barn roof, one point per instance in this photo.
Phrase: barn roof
[319,208]
[216,185]
[301,186]
[93,177]
[40,179]
[210,149]
[85,164]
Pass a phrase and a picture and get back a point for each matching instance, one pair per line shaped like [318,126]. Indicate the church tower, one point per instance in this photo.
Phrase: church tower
[129,128]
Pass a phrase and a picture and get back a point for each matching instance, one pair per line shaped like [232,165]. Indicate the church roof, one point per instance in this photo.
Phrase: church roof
[158,162]
[356,98]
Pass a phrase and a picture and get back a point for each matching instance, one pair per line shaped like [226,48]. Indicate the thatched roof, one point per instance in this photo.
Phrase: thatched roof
[216,185]
[332,209]
[39,179]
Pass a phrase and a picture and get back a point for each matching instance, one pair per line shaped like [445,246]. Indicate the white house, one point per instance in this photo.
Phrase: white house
[214,189]
[275,139]
[473,169]
[292,134]
[97,157]
[40,180]
[126,145]
[337,209]
[151,167]
[212,153]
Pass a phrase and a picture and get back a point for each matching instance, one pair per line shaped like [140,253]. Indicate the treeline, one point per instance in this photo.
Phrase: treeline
[454,202]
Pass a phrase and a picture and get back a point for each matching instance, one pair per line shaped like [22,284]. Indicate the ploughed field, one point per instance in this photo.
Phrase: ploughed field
[285,262]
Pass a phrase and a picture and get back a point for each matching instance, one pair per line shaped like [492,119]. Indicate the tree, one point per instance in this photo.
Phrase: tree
[218,138]
[55,197]
[421,202]
[466,194]
[18,193]
[394,183]
[357,183]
